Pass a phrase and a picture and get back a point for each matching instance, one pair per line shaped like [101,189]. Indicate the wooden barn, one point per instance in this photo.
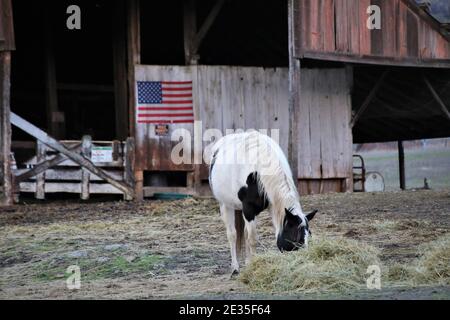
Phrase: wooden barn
[94,107]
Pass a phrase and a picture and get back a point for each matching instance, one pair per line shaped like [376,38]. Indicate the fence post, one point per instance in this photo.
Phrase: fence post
[41,152]
[86,151]
[129,160]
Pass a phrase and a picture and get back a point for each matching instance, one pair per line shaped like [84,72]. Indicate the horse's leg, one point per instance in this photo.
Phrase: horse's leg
[250,245]
[228,218]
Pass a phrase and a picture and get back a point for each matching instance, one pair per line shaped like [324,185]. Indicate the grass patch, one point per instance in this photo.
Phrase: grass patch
[335,264]
[115,267]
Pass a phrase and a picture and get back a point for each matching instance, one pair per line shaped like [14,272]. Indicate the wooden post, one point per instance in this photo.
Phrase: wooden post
[41,153]
[134,56]
[129,159]
[55,118]
[6,195]
[139,185]
[190,31]
[401,165]
[294,95]
[120,69]
[86,151]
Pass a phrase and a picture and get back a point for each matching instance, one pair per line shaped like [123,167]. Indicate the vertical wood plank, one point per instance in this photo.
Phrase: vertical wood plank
[6,196]
[86,151]
[119,25]
[133,58]
[41,152]
[55,118]
[294,94]
[364,33]
[129,165]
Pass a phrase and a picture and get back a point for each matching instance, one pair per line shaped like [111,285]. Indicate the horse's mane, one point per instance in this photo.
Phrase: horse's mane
[276,183]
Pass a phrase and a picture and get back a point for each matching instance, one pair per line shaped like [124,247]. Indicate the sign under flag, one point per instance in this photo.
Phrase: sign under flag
[161,102]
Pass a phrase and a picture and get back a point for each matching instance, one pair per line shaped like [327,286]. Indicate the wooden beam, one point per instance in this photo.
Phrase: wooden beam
[377,60]
[55,118]
[401,165]
[437,98]
[134,58]
[43,166]
[6,184]
[41,153]
[369,98]
[86,151]
[206,25]
[120,69]
[294,95]
[129,164]
[190,29]
[79,159]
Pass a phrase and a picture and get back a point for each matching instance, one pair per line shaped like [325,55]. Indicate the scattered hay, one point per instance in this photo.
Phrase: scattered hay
[336,264]
[433,266]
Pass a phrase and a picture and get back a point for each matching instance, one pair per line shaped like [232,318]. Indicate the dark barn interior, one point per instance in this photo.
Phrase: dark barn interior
[404,108]
[78,63]
[245,33]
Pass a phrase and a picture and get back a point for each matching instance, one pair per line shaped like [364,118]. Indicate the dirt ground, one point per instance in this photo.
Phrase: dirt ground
[178,249]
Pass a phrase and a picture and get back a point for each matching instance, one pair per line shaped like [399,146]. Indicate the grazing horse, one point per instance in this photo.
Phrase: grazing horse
[249,172]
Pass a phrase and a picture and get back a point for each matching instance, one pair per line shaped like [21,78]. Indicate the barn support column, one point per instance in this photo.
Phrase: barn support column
[6,185]
[294,94]
[134,58]
[120,69]
[193,37]
[55,118]
[401,165]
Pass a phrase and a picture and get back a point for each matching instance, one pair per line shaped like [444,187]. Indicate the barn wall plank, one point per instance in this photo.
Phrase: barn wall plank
[337,30]
[325,138]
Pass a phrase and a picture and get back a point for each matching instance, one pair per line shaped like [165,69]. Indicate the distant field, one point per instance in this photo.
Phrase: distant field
[431,163]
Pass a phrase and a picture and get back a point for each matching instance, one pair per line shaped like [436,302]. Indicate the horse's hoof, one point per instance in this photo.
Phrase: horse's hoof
[234,274]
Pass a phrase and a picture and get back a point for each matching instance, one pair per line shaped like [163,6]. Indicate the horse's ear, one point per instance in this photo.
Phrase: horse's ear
[242,193]
[290,217]
[311,215]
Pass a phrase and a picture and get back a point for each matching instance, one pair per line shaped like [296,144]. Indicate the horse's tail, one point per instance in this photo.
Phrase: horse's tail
[240,233]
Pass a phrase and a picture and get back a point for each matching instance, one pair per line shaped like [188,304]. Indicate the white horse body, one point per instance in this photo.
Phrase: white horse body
[234,158]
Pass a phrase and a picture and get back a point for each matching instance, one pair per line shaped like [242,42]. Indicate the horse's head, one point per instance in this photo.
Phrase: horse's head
[295,231]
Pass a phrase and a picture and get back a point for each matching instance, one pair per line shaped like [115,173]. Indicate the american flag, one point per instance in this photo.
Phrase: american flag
[162,102]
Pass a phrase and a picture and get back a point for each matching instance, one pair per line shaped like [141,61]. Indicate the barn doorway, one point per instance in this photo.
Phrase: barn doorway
[65,81]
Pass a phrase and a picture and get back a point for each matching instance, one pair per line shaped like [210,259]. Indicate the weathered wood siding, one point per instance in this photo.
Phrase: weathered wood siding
[325,137]
[244,98]
[337,30]
[7,42]
[153,151]
[256,98]
[224,98]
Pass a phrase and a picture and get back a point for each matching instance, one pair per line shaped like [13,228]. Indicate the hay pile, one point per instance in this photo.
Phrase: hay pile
[432,266]
[336,264]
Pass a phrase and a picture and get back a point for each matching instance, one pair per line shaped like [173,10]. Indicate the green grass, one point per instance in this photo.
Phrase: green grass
[90,269]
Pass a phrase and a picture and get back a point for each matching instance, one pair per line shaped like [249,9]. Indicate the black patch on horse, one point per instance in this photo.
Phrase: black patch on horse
[252,201]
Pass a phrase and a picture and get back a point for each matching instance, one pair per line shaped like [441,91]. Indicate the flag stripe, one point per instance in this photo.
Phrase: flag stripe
[170,115]
[186,95]
[177,89]
[166,121]
[164,108]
